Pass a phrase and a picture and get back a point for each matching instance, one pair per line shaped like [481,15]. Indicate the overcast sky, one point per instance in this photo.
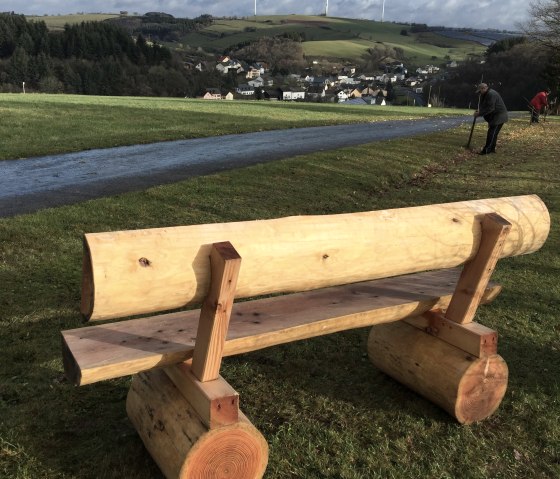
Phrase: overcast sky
[505,14]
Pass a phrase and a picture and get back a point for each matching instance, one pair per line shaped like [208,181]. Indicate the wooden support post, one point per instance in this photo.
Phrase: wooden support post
[473,338]
[216,402]
[476,273]
[215,312]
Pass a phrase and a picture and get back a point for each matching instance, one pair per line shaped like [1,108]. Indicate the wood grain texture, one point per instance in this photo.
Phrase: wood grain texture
[473,338]
[181,444]
[216,311]
[477,272]
[468,388]
[216,402]
[106,351]
[146,271]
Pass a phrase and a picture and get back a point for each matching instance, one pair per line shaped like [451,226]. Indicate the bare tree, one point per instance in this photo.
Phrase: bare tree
[544,23]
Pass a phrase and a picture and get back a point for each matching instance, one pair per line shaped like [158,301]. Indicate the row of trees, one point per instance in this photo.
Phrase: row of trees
[283,53]
[517,72]
[90,58]
[161,26]
[516,67]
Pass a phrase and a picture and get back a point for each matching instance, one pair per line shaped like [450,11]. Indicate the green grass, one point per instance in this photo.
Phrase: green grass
[330,37]
[78,122]
[325,411]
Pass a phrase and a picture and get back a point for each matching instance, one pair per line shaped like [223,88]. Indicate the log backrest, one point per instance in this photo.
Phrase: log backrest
[145,271]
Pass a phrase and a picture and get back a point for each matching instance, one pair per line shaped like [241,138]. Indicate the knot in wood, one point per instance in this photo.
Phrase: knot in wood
[145,262]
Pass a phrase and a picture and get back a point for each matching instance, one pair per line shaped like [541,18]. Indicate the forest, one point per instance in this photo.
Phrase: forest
[92,58]
[517,68]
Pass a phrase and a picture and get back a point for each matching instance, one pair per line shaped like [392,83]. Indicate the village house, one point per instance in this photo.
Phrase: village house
[368,91]
[227,64]
[356,93]
[212,94]
[256,83]
[253,73]
[316,92]
[245,89]
[287,94]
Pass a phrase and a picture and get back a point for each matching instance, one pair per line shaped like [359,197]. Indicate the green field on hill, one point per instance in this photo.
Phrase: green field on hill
[57,22]
[343,39]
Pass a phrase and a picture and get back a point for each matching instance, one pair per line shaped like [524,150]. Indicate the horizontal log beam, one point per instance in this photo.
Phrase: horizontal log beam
[147,271]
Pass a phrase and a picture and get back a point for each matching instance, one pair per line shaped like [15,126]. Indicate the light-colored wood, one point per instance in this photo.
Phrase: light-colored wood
[181,444]
[146,271]
[477,272]
[106,351]
[468,388]
[215,313]
[472,337]
[216,402]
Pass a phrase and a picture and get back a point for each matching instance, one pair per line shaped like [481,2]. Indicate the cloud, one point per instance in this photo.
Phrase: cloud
[453,13]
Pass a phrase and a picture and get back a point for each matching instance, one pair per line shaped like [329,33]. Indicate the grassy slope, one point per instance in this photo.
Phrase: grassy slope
[57,22]
[325,411]
[322,36]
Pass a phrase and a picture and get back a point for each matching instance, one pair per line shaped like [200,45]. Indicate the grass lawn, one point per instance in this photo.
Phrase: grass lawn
[325,411]
[37,124]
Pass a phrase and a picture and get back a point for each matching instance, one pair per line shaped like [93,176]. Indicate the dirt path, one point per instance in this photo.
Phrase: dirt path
[30,184]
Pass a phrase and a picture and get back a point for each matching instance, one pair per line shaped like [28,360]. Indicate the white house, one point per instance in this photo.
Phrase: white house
[245,89]
[256,83]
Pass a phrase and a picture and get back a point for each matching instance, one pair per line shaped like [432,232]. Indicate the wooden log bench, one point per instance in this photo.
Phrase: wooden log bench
[301,277]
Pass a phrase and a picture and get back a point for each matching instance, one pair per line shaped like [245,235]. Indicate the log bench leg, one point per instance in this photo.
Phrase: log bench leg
[469,388]
[181,442]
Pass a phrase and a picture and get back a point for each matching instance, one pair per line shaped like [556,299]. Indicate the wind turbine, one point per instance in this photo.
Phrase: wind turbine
[383,12]
[255,8]
[326,8]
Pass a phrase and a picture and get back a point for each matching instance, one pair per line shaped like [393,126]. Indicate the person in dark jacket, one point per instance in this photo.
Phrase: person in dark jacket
[493,109]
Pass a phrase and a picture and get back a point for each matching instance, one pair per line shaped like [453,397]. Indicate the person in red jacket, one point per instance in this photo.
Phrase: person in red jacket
[538,104]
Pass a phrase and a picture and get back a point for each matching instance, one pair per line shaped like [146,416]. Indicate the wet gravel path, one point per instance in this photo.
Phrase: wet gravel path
[29,184]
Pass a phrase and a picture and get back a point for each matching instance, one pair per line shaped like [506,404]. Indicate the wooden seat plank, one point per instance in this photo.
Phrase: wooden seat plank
[113,350]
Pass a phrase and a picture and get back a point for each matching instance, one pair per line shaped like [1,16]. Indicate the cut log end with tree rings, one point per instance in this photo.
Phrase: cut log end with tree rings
[467,387]
[481,389]
[227,453]
[179,441]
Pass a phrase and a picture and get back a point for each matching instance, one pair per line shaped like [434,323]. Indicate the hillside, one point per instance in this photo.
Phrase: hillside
[334,38]
[57,22]
[322,37]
